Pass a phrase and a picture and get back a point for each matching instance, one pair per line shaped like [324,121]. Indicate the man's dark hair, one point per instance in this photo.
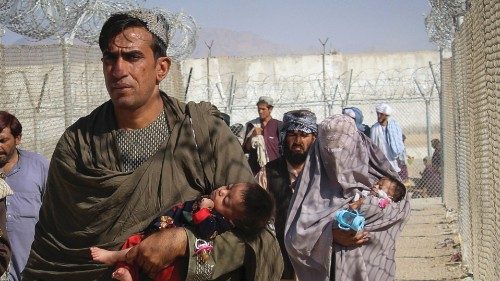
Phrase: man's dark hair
[258,209]
[237,128]
[118,23]
[226,118]
[266,103]
[10,121]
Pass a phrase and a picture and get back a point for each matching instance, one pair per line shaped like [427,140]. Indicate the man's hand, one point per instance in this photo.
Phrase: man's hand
[159,250]
[350,238]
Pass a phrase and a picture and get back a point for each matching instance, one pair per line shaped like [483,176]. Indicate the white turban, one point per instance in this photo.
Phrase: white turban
[384,108]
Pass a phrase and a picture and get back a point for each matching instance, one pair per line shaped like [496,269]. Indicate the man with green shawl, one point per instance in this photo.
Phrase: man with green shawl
[116,169]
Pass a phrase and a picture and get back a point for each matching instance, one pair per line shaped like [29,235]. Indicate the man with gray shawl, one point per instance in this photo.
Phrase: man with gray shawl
[339,165]
[143,151]
[279,176]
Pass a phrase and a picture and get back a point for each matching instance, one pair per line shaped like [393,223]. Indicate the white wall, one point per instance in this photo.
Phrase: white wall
[296,82]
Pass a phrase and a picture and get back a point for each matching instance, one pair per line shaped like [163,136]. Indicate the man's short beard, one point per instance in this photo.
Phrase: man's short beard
[294,158]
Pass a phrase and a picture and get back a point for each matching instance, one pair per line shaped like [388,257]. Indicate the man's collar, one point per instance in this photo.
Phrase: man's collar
[292,170]
[264,121]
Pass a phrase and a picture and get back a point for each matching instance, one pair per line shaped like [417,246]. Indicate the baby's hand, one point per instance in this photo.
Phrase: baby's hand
[206,203]
[356,204]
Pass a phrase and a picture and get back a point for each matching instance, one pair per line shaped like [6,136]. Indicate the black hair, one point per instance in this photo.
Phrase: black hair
[266,103]
[117,23]
[226,118]
[258,209]
[237,128]
[10,121]
[399,191]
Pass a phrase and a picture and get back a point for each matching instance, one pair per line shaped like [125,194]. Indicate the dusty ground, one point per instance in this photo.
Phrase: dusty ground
[428,242]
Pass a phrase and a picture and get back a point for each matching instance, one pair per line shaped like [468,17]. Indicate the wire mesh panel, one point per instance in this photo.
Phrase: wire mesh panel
[405,81]
[461,76]
[47,95]
[33,88]
[476,80]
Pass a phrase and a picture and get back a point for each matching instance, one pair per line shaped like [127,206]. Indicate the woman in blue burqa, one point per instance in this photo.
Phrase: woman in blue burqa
[339,165]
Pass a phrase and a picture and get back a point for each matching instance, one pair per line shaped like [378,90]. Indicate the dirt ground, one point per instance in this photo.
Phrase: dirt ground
[428,247]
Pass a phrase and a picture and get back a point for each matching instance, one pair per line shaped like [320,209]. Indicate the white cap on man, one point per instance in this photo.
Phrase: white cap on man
[266,99]
[384,108]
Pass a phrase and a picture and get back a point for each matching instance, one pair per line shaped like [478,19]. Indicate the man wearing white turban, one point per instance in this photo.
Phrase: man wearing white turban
[387,135]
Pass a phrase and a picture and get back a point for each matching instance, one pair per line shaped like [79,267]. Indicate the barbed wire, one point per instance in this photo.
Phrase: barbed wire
[369,84]
[92,16]
[75,19]
[442,21]
[183,34]
[42,19]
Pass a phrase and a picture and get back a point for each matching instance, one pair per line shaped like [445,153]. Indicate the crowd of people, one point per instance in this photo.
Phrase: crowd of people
[146,186]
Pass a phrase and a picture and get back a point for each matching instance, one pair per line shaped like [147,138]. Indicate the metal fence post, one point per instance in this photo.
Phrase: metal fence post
[68,99]
[344,103]
[209,91]
[428,124]
[230,97]
[2,60]
[187,84]
[427,101]
[323,86]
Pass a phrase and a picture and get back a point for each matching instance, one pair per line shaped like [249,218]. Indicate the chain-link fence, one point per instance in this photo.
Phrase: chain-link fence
[49,87]
[471,80]
[47,93]
[411,91]
[418,118]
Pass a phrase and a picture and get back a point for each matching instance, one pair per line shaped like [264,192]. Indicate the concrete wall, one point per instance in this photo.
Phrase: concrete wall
[297,82]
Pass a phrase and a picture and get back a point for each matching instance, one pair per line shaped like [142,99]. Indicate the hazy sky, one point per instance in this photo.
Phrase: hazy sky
[350,25]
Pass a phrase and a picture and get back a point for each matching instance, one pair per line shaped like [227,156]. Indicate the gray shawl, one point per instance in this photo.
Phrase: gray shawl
[90,201]
[308,231]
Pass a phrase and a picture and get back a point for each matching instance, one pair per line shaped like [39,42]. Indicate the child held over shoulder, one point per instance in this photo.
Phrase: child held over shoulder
[243,208]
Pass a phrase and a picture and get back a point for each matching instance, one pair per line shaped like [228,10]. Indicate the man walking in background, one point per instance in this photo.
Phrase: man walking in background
[262,136]
[278,176]
[387,135]
[26,173]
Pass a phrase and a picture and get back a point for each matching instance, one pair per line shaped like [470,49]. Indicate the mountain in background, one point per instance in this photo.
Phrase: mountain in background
[240,44]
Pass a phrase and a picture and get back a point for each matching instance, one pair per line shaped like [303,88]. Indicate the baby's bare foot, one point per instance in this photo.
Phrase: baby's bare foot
[103,256]
[122,274]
